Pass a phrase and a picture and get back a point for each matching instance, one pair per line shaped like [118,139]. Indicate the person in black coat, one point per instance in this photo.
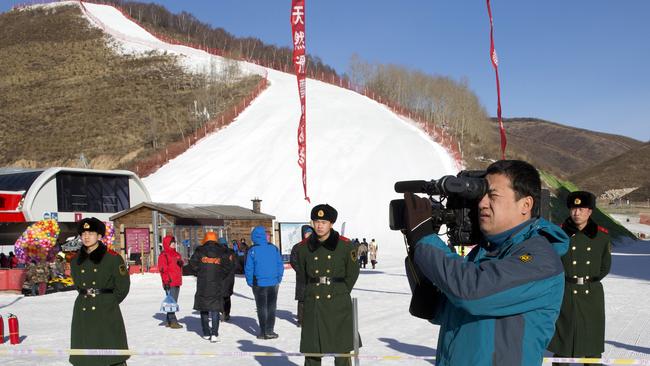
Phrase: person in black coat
[212,265]
[230,280]
[305,232]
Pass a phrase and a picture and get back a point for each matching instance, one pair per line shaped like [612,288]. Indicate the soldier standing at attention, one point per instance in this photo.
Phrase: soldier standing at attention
[580,328]
[327,265]
[103,282]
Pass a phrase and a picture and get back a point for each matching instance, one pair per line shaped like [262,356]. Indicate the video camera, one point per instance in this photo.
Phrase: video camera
[456,207]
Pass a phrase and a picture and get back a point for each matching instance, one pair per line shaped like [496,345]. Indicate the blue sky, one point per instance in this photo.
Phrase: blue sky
[583,63]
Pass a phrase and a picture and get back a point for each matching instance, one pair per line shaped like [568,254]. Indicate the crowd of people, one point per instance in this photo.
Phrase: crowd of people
[8,261]
[528,286]
[40,274]
[366,252]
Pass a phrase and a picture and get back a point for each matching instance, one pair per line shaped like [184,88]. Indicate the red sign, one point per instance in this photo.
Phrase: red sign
[77,216]
[137,240]
[300,67]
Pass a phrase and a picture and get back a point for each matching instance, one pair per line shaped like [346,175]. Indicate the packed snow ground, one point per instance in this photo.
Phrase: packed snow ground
[356,149]
[386,327]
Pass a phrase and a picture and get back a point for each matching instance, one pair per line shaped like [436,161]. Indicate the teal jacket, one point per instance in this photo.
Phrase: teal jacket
[500,302]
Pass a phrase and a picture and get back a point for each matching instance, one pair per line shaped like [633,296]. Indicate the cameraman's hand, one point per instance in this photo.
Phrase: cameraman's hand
[417,218]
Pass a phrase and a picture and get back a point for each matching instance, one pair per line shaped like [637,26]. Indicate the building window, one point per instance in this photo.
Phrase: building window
[78,192]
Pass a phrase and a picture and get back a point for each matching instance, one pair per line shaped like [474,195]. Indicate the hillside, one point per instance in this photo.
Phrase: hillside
[560,149]
[65,93]
[630,169]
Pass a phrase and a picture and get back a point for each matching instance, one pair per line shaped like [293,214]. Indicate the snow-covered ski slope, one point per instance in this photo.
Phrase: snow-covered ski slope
[356,149]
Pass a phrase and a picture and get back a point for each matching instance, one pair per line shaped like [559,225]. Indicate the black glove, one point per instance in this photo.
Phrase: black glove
[179,262]
[166,286]
[417,218]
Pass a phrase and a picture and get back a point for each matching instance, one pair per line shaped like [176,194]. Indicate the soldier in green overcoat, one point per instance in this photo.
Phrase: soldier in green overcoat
[580,328]
[101,278]
[328,267]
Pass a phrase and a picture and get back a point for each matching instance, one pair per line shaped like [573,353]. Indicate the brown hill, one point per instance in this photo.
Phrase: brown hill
[65,94]
[562,150]
[630,169]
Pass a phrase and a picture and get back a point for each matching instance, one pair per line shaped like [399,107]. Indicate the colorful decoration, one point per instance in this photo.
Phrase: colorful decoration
[37,242]
[109,238]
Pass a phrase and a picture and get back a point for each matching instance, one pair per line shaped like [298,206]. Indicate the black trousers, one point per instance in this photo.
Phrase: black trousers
[226,305]
[207,329]
[266,299]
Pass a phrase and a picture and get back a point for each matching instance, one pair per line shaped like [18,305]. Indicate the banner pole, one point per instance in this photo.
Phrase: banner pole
[355,329]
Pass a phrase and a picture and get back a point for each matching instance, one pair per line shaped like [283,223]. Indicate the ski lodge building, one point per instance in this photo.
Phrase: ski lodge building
[188,223]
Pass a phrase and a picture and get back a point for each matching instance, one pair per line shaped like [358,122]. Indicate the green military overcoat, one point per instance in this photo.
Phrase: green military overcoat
[580,328]
[327,325]
[96,320]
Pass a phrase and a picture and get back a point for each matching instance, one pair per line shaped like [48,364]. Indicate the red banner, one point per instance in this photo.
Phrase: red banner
[495,64]
[300,67]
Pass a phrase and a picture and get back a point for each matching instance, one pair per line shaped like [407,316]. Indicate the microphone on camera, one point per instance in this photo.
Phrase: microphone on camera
[414,186]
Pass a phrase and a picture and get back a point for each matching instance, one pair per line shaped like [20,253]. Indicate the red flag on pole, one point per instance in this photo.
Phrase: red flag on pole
[495,64]
[300,67]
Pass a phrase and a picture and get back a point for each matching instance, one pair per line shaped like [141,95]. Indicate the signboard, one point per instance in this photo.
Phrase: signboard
[137,240]
[51,215]
[290,235]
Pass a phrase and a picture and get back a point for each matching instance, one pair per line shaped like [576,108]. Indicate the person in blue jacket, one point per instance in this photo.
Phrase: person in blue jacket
[264,270]
[498,305]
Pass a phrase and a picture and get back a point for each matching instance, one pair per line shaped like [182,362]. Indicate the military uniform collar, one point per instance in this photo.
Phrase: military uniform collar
[570,228]
[329,244]
[95,256]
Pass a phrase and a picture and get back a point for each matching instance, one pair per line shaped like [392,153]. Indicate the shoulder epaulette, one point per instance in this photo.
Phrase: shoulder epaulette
[341,237]
[600,228]
[112,252]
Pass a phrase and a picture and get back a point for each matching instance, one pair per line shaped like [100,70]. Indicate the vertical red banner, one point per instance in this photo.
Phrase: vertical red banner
[495,64]
[300,67]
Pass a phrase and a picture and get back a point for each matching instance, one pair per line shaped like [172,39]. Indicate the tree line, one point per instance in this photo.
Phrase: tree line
[441,101]
[192,30]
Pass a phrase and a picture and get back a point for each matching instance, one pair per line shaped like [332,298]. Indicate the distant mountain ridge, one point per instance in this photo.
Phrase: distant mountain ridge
[562,150]
[628,170]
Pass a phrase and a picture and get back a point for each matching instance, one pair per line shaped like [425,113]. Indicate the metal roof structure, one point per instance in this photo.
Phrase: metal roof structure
[199,211]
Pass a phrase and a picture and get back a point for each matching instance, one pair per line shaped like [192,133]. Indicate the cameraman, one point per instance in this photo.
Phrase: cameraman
[498,305]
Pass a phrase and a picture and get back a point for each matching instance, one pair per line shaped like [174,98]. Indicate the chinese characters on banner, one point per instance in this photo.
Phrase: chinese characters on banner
[495,64]
[300,67]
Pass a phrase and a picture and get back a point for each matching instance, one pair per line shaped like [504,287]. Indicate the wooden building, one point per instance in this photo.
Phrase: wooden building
[187,222]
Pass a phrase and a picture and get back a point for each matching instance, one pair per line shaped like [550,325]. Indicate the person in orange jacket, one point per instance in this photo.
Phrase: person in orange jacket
[170,266]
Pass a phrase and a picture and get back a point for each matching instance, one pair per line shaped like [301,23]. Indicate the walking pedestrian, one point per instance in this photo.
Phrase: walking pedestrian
[170,266]
[229,285]
[212,265]
[363,253]
[264,270]
[372,253]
